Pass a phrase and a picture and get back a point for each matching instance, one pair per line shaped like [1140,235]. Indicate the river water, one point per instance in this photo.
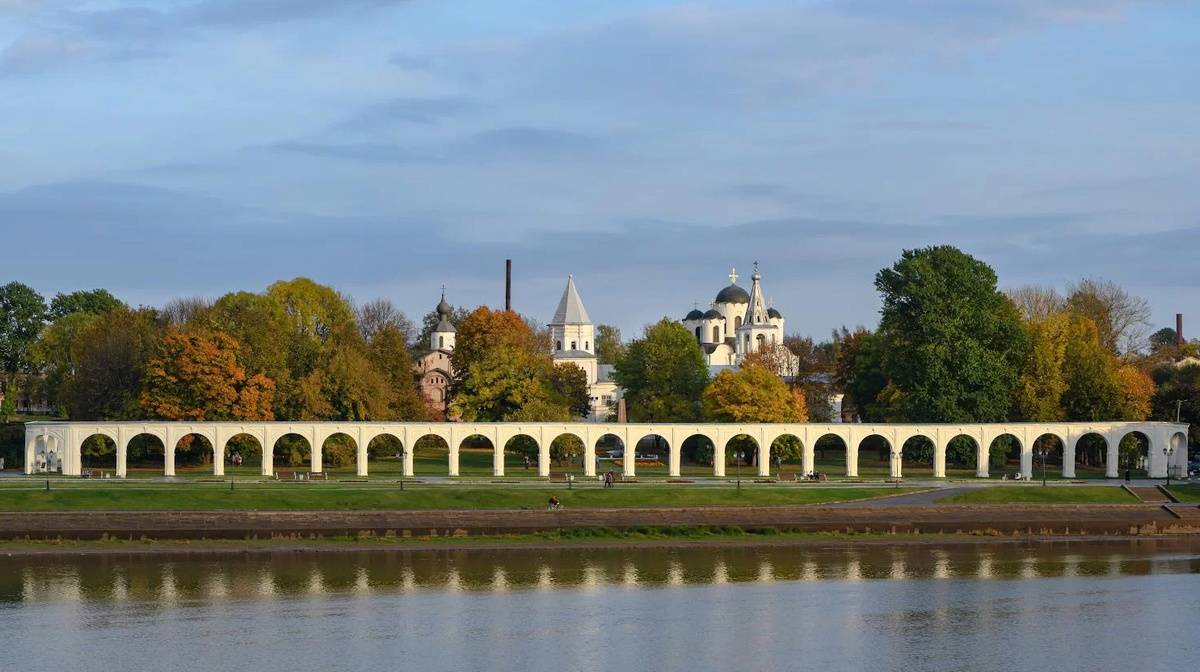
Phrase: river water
[1130,605]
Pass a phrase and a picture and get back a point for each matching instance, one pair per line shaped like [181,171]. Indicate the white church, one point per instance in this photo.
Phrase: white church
[737,324]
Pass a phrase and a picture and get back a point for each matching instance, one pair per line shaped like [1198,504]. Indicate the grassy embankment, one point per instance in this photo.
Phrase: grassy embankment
[1186,493]
[84,496]
[1084,494]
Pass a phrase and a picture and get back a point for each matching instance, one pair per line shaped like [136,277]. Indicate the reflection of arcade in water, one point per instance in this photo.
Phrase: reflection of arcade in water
[247,576]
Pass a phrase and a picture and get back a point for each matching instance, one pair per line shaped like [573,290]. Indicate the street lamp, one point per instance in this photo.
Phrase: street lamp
[737,457]
[1041,452]
[1168,451]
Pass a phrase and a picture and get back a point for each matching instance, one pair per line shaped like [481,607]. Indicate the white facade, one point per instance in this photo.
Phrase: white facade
[737,324]
[59,443]
[573,338]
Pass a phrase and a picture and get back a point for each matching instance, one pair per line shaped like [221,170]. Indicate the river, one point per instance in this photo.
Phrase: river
[1122,605]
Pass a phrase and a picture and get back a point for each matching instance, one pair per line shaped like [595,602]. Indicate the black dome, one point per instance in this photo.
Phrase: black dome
[771,312]
[713,314]
[695,315]
[733,294]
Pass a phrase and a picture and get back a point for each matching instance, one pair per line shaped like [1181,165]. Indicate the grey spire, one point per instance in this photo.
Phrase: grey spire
[570,307]
[756,310]
[443,310]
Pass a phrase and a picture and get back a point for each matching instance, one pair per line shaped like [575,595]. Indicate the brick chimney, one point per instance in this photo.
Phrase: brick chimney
[1178,328]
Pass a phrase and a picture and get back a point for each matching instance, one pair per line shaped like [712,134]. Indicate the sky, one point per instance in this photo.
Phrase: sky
[387,148]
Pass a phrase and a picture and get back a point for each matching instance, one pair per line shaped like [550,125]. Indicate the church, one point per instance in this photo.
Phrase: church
[738,323]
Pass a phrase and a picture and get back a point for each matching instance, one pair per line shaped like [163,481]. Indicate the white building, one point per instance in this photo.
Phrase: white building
[737,324]
[573,337]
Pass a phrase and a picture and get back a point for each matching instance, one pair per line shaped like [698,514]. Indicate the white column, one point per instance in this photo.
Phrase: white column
[852,457]
[543,457]
[1026,458]
[30,451]
[122,456]
[810,457]
[453,466]
[409,449]
[939,458]
[169,458]
[361,458]
[315,456]
[218,456]
[1112,464]
[630,457]
[675,448]
[498,457]
[982,455]
[589,455]
[895,464]
[718,455]
[1068,457]
[764,456]
[268,454]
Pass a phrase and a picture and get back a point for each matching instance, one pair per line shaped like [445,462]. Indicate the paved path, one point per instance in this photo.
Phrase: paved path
[927,498]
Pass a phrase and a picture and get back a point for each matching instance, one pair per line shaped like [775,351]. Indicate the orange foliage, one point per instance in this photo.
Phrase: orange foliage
[196,377]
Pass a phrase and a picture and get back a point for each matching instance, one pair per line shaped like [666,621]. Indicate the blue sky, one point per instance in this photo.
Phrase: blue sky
[192,148]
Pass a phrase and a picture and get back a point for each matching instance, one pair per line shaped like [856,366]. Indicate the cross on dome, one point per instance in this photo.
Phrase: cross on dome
[733,276]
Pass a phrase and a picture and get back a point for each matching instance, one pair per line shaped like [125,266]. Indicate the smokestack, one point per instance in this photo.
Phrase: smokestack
[508,284]
[1178,328]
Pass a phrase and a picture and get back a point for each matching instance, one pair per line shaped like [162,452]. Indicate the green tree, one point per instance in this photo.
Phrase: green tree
[110,355]
[609,346]
[313,313]
[1177,395]
[261,328]
[1163,338]
[388,351]
[1041,385]
[859,374]
[22,314]
[53,356]
[90,301]
[430,320]
[344,385]
[952,344]
[663,375]
[1090,371]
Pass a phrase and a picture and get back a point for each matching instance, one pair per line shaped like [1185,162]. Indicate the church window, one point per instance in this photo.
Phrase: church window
[737,322]
[572,345]
[441,341]
[717,334]
[587,345]
[698,334]
[558,345]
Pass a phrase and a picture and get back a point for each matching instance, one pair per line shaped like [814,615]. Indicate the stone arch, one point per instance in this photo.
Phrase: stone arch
[1004,449]
[962,451]
[1134,452]
[476,454]
[697,450]
[248,450]
[145,452]
[606,444]
[387,451]
[1055,452]
[1178,443]
[1091,455]
[193,448]
[291,450]
[431,454]
[919,451]
[97,451]
[743,448]
[523,450]
[877,449]
[787,454]
[338,450]
[566,448]
[653,448]
[831,442]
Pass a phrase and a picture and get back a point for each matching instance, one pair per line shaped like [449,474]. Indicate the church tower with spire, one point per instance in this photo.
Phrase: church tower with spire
[761,326]
[573,339]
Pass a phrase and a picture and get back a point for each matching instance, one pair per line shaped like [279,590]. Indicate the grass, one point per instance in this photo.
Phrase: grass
[1086,494]
[83,496]
[1186,493]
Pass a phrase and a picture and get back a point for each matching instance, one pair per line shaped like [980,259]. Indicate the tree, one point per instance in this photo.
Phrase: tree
[90,301]
[663,374]
[1041,385]
[1177,391]
[261,328]
[1090,372]
[1163,338]
[110,355]
[1036,303]
[312,313]
[22,314]
[430,321]
[381,314]
[568,387]
[388,353]
[196,376]
[1137,392]
[185,311]
[344,385]
[609,346]
[753,394]
[1121,319]
[502,371]
[53,355]
[951,343]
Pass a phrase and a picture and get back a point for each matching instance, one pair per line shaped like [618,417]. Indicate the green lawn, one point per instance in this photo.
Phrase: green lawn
[1186,493]
[1097,494]
[84,496]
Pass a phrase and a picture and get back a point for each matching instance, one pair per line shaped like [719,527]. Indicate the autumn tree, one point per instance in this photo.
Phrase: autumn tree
[196,376]
[609,346]
[753,393]
[388,351]
[1121,318]
[663,375]
[1041,385]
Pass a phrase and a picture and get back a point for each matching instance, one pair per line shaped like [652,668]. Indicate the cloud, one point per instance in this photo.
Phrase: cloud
[408,110]
[499,144]
[36,52]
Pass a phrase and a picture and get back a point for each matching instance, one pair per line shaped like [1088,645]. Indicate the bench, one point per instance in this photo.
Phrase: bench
[286,475]
[318,476]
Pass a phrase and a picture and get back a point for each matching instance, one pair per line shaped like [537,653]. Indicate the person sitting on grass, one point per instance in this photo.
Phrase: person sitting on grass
[554,503]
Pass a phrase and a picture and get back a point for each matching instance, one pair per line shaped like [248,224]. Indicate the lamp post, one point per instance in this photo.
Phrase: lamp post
[1168,452]
[1041,452]
[737,457]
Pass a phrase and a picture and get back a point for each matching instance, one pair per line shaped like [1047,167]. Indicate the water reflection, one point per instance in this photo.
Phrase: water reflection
[181,580]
